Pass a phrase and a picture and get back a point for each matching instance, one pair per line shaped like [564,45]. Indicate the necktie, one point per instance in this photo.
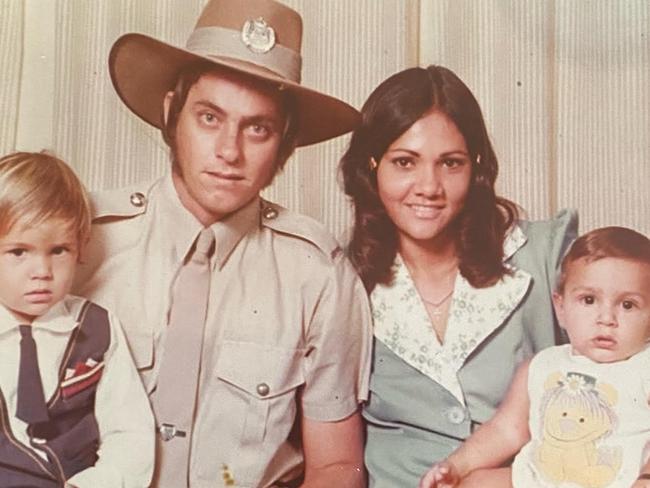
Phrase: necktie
[30,405]
[174,400]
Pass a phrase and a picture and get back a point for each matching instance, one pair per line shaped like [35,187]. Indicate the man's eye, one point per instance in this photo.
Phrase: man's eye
[208,117]
[18,252]
[259,130]
[58,250]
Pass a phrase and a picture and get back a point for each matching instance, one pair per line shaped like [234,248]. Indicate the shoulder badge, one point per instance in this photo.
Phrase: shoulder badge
[121,202]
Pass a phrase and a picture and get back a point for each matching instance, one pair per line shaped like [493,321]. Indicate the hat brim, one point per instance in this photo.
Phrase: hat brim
[144,69]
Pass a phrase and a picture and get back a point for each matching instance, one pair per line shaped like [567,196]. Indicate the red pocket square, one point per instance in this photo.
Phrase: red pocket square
[82,376]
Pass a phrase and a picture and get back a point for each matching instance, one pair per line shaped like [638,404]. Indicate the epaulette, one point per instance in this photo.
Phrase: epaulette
[285,221]
[121,202]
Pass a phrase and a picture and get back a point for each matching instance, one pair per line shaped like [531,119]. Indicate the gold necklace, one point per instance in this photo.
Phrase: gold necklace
[437,306]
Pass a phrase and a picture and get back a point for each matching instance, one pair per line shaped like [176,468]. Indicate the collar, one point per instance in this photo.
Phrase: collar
[402,324]
[513,241]
[229,231]
[57,319]
[183,226]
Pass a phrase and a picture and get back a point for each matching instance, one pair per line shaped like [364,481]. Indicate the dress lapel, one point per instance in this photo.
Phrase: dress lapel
[402,324]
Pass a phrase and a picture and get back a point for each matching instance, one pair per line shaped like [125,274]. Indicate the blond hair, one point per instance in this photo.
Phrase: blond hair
[35,187]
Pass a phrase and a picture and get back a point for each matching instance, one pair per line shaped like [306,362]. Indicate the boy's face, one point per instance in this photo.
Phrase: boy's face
[37,267]
[605,308]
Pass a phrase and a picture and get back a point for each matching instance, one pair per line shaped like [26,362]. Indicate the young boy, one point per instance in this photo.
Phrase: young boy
[73,411]
[578,412]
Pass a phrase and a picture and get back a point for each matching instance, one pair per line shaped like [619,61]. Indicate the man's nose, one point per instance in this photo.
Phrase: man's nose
[227,144]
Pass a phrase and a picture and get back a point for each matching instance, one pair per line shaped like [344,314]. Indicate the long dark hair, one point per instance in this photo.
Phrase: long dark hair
[391,109]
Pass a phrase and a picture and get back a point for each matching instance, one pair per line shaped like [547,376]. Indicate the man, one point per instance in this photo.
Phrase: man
[248,325]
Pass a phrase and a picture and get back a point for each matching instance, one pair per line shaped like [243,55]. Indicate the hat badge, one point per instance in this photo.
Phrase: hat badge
[258,36]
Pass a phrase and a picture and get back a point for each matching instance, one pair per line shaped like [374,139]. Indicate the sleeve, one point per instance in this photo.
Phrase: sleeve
[339,341]
[125,421]
[549,241]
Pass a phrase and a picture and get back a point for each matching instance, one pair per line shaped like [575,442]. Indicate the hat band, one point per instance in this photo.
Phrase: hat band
[218,41]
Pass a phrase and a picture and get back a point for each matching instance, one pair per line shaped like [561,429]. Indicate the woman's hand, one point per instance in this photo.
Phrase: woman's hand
[441,475]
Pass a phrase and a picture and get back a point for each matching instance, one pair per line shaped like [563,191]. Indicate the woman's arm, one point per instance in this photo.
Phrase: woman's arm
[492,444]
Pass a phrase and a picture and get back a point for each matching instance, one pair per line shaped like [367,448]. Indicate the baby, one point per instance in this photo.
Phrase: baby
[578,414]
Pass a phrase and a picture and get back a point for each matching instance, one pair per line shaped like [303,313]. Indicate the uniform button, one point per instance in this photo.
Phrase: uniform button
[456,415]
[137,199]
[270,213]
[263,389]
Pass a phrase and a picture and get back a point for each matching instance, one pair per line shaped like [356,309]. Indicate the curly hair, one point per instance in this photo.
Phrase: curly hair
[395,105]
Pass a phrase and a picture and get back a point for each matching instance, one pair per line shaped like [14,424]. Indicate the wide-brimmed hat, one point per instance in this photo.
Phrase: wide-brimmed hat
[261,38]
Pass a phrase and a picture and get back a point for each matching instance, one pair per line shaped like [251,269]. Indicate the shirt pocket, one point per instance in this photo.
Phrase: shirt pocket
[268,377]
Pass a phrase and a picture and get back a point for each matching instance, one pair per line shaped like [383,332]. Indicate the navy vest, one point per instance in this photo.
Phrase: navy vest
[71,437]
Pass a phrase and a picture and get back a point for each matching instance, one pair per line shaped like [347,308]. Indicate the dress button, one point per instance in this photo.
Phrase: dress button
[456,415]
[263,389]
[137,199]
[270,213]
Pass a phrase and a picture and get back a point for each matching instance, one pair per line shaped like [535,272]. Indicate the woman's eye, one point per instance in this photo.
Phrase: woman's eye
[18,252]
[452,163]
[403,162]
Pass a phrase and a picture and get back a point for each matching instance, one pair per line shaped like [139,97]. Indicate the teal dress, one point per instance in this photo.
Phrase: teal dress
[426,397]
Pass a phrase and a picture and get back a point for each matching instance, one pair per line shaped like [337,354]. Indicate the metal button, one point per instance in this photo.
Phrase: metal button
[270,213]
[137,199]
[263,389]
[456,415]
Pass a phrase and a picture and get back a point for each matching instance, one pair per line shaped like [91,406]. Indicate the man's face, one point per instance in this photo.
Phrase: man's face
[225,144]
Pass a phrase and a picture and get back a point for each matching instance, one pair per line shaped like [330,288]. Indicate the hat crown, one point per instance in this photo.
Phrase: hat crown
[233,14]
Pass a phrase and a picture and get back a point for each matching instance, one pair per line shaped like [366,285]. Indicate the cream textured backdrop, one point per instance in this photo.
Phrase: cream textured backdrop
[346,53]
[565,88]
[564,84]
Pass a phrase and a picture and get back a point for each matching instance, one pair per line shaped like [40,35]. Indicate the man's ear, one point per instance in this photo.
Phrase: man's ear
[167,103]
[558,305]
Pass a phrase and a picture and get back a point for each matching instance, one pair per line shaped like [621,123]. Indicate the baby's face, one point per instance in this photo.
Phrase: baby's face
[605,308]
[37,266]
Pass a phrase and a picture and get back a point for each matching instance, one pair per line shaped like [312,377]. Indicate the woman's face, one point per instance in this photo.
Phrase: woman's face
[424,177]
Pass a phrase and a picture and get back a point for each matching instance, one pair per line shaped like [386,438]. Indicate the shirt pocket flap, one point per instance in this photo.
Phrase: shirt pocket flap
[261,370]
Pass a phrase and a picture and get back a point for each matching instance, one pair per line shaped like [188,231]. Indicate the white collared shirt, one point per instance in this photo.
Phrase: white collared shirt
[121,407]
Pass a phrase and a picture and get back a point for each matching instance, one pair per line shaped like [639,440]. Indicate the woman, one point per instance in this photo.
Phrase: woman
[460,287]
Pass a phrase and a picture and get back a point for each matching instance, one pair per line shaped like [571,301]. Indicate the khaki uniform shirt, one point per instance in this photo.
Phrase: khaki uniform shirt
[288,325]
